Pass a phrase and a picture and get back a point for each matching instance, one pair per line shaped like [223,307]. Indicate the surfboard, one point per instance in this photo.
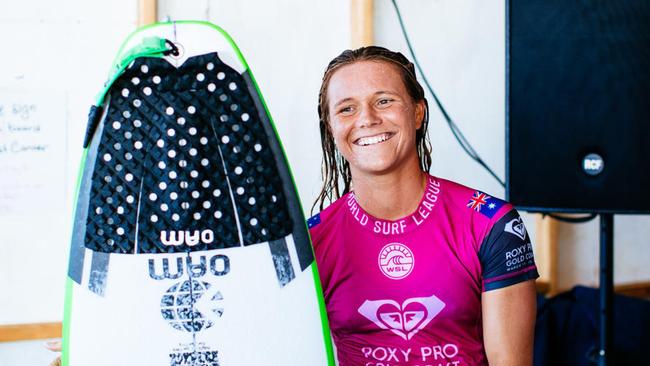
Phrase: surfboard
[189,243]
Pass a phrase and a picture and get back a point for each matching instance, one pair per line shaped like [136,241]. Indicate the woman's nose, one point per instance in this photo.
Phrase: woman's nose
[368,117]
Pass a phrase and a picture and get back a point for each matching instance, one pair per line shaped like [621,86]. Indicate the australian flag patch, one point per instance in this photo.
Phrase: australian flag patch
[486,205]
[313,221]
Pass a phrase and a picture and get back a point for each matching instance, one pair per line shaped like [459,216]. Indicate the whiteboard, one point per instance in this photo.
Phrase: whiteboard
[60,56]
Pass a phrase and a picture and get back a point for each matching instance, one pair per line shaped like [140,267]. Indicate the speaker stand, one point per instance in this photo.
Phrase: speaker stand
[606,289]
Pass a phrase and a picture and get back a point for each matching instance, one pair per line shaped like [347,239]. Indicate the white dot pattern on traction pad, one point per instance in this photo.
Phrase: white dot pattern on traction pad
[143,141]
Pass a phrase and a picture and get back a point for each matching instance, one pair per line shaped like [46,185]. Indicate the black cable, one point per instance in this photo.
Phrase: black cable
[452,126]
[455,130]
[572,220]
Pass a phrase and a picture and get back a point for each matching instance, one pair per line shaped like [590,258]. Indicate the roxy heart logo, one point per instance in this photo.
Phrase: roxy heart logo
[517,228]
[405,319]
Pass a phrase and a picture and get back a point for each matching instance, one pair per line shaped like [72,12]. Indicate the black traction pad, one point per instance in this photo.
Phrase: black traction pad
[184,163]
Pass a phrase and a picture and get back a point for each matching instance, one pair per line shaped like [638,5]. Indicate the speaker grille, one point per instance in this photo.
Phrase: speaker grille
[578,83]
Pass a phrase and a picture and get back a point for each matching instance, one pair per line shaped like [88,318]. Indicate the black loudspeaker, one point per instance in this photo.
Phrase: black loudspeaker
[578,105]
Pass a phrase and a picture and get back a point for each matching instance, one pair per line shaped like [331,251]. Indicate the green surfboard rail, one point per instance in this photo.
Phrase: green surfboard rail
[67,302]
[150,47]
[123,58]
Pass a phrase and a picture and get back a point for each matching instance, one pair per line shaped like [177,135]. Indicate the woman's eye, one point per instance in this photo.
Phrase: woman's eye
[346,110]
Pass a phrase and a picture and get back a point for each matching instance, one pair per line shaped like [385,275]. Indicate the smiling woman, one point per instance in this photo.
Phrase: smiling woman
[374,119]
[415,269]
[389,83]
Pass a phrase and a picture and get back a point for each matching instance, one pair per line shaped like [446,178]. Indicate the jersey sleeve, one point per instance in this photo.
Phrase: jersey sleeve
[506,253]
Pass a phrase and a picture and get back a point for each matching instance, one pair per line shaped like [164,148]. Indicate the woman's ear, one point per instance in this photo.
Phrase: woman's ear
[419,114]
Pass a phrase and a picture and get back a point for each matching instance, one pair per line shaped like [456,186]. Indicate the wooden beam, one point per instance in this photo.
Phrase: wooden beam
[541,286]
[147,12]
[546,253]
[636,289]
[23,332]
[361,23]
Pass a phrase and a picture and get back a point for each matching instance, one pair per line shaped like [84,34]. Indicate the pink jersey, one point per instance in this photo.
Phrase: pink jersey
[408,292]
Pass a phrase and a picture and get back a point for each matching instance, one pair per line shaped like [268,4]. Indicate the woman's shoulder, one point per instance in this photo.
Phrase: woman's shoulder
[325,220]
[471,202]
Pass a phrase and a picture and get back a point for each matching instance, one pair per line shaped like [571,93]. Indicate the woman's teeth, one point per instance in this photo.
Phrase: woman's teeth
[365,141]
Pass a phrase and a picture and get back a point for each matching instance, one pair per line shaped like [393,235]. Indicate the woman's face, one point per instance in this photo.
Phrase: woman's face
[373,118]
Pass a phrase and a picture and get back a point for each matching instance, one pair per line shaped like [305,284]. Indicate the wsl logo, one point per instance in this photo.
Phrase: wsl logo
[191,306]
[396,261]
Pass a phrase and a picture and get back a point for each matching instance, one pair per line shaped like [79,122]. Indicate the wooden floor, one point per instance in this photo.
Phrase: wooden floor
[19,332]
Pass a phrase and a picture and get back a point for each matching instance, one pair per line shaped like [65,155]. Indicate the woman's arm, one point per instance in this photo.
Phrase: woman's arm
[509,324]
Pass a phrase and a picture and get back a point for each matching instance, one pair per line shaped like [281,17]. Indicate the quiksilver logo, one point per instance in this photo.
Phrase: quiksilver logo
[191,238]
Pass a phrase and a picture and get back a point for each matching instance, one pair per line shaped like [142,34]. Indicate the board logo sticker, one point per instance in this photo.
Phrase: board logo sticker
[404,319]
[396,261]
[204,358]
[191,238]
[516,227]
[218,265]
[191,306]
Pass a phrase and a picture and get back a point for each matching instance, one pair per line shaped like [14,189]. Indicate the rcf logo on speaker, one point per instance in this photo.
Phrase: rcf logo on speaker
[593,164]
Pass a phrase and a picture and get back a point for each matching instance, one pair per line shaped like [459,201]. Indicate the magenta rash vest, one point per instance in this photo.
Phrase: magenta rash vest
[407,292]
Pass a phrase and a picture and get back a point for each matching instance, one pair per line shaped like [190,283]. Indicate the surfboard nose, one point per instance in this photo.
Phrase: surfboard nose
[183,163]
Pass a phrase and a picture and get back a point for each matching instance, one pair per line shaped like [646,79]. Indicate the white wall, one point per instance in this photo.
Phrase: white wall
[461,46]
[287,44]
[62,53]
[56,57]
